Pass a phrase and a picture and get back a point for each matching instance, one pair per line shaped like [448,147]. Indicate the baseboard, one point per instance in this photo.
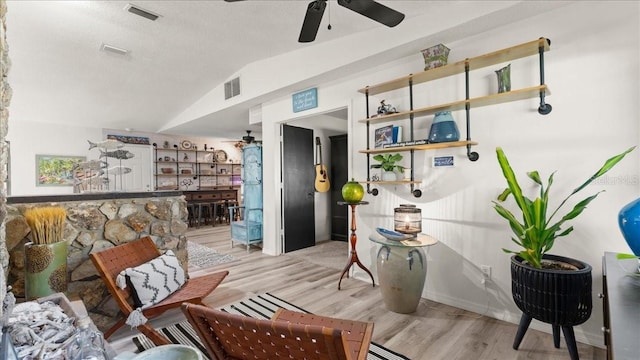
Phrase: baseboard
[586,337]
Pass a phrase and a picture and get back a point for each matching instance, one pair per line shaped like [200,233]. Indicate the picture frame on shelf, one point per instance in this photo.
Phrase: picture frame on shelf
[383,135]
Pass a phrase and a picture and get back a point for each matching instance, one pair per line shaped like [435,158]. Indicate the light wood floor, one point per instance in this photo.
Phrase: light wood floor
[309,278]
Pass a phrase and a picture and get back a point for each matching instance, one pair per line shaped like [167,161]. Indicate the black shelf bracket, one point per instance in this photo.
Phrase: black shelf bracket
[544,107]
[155,162]
[471,155]
[371,191]
[416,192]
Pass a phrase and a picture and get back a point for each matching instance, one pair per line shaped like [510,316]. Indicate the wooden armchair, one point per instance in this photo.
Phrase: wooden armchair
[288,335]
[110,262]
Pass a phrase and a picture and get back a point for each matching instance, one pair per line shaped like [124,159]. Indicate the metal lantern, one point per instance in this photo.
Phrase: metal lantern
[407,219]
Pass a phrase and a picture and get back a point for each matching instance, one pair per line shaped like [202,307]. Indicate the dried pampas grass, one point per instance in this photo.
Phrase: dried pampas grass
[46,223]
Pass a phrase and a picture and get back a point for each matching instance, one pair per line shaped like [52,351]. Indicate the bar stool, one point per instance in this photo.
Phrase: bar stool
[204,212]
[218,211]
[191,215]
[228,204]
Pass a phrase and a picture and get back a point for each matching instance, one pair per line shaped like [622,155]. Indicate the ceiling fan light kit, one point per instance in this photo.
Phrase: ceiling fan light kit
[369,8]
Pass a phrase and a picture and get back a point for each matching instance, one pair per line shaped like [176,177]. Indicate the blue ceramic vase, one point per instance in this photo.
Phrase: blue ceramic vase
[443,128]
[629,222]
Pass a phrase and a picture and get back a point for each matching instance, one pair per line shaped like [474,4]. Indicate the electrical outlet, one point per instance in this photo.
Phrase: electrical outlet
[486,272]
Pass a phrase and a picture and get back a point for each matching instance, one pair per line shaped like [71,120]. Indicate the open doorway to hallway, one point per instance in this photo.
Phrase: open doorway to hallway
[325,127]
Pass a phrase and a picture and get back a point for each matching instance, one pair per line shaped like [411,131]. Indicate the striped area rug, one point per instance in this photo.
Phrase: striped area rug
[261,307]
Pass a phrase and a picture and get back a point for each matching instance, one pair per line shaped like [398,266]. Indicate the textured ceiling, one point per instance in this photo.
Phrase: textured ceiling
[60,76]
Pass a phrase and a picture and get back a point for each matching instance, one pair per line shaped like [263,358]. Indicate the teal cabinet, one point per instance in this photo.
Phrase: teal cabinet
[246,224]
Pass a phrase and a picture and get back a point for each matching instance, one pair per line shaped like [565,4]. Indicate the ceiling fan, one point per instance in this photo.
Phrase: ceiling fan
[369,8]
[247,139]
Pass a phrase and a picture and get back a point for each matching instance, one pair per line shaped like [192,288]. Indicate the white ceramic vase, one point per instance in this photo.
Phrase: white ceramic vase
[388,176]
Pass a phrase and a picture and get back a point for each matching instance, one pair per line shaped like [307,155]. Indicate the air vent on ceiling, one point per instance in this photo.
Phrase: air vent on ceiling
[134,9]
[113,49]
[232,88]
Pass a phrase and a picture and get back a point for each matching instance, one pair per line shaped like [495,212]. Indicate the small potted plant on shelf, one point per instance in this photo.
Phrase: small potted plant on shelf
[388,166]
[549,288]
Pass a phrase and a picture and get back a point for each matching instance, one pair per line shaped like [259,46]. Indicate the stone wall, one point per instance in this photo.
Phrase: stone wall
[94,225]
[5,99]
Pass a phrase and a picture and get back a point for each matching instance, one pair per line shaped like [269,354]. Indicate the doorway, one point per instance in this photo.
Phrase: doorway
[298,177]
[339,175]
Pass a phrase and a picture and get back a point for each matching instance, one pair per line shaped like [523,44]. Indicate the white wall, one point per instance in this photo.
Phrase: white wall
[592,71]
[29,139]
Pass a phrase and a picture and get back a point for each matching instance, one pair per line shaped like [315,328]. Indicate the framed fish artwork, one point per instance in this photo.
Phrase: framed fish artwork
[56,170]
[127,139]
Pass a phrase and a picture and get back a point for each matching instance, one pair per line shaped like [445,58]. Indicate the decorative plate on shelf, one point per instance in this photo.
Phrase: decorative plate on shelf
[186,145]
[220,156]
[393,235]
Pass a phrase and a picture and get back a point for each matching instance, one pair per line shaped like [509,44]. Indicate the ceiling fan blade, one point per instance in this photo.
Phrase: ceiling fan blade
[312,20]
[374,11]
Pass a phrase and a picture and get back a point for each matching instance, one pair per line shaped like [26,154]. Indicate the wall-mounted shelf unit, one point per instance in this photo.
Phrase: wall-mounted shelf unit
[493,99]
[174,167]
[419,147]
[539,47]
[396,182]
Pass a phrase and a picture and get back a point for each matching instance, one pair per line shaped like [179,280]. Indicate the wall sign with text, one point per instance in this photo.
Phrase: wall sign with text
[443,161]
[305,100]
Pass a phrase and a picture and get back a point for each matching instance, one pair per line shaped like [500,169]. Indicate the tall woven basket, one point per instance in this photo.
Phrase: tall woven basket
[557,297]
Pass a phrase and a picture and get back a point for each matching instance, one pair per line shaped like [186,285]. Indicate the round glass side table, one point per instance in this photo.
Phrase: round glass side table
[402,270]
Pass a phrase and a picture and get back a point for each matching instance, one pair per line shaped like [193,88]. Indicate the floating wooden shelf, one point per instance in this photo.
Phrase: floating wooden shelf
[496,57]
[396,182]
[420,147]
[493,99]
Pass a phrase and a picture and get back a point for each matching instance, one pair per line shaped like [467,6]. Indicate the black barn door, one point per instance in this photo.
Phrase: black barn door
[298,175]
[339,174]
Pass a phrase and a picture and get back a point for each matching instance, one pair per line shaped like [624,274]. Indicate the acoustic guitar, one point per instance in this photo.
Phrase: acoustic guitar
[322,180]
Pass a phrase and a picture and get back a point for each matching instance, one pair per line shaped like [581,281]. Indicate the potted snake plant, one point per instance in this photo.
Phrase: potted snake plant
[549,288]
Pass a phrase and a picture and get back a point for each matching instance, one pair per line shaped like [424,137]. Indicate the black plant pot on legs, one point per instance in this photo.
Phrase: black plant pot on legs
[561,298]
